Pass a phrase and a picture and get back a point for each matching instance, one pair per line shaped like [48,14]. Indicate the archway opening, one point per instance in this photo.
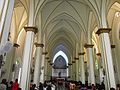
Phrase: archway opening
[60,65]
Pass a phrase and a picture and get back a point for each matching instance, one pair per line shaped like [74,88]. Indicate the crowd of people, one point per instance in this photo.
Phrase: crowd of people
[13,85]
[54,85]
[69,85]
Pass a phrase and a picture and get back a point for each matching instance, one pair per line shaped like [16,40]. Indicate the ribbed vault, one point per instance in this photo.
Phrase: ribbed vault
[65,22]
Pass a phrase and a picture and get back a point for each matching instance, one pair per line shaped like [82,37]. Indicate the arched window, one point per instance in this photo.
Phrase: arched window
[62,54]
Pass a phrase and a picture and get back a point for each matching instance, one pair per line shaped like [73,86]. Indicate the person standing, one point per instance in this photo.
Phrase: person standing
[3,85]
[15,85]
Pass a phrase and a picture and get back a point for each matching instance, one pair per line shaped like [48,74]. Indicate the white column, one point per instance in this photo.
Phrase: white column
[107,55]
[37,63]
[27,56]
[77,66]
[70,70]
[98,57]
[42,76]
[7,22]
[28,49]
[13,75]
[87,68]
[73,72]
[82,67]
[46,67]
[77,62]
[4,14]
[91,63]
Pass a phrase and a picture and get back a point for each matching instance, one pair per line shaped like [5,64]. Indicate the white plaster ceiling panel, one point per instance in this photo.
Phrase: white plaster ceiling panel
[21,41]
[18,11]
[64,7]
[23,21]
[61,35]
[112,13]
[22,3]
[36,3]
[92,22]
[66,44]
[83,12]
[63,22]
[64,36]
[61,47]
[69,28]
[110,17]
[18,3]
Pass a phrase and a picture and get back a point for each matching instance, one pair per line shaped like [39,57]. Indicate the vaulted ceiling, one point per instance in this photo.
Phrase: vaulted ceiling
[64,23]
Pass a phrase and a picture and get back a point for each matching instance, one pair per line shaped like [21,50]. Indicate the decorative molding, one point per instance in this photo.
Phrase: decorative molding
[73,61]
[44,53]
[69,64]
[76,58]
[88,45]
[16,45]
[39,45]
[51,64]
[112,46]
[103,30]
[33,58]
[81,53]
[47,58]
[49,61]
[98,54]
[31,28]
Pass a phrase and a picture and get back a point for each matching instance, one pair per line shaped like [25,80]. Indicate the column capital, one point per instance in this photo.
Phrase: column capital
[76,58]
[88,45]
[69,64]
[49,61]
[73,61]
[81,53]
[44,53]
[98,54]
[47,58]
[16,45]
[112,46]
[51,64]
[31,28]
[39,45]
[103,30]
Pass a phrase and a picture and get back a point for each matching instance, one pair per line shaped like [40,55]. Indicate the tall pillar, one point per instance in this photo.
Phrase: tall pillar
[115,62]
[77,68]
[42,76]
[46,67]
[27,56]
[100,76]
[6,20]
[37,63]
[73,70]
[70,69]
[48,70]
[81,55]
[13,75]
[107,55]
[91,63]
[77,62]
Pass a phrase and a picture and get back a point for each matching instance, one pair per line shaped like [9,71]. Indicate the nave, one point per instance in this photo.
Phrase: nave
[61,40]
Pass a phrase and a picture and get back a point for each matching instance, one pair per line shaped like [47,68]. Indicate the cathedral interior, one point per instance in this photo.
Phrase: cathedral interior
[43,40]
